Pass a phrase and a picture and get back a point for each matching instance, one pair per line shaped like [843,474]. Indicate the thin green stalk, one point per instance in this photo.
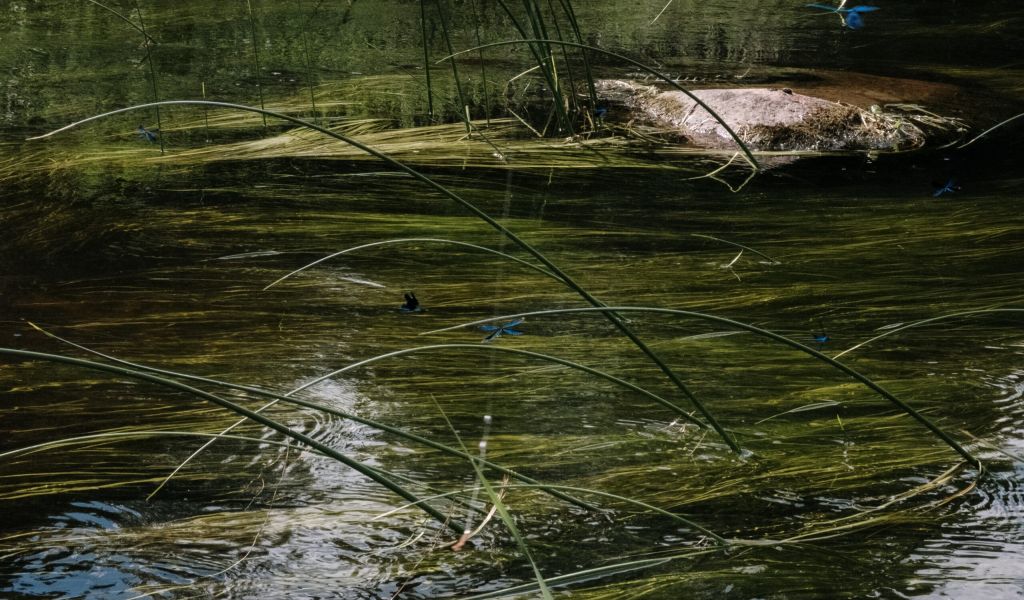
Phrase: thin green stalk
[417,241]
[639,65]
[590,491]
[588,73]
[320,407]
[756,330]
[256,58]
[123,18]
[309,66]
[131,435]
[537,49]
[483,64]
[426,60]
[491,347]
[502,509]
[582,576]
[443,18]
[369,472]
[570,99]
[761,254]
[990,130]
[967,313]
[620,324]
[152,75]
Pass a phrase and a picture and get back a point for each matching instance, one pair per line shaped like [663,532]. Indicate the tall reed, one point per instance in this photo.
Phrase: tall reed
[615,319]
[256,58]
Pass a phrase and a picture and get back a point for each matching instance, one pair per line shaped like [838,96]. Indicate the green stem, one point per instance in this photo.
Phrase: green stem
[369,472]
[469,206]
[639,65]
[759,331]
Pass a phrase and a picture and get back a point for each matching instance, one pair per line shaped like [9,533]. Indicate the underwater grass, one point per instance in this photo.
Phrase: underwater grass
[619,323]
[920,418]
[289,399]
[365,470]
[736,138]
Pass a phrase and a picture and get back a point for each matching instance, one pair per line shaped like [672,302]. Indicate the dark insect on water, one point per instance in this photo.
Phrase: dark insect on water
[146,134]
[411,303]
[951,186]
[496,331]
[851,17]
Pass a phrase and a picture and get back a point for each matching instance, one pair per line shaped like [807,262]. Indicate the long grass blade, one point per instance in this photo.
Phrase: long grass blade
[323,408]
[617,321]
[413,241]
[922,322]
[756,330]
[739,142]
[357,466]
[426,60]
[990,130]
[498,503]
[490,347]
[590,491]
[761,254]
[152,74]
[256,58]
[463,105]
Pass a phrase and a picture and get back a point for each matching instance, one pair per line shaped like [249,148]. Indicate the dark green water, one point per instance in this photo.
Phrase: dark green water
[164,265]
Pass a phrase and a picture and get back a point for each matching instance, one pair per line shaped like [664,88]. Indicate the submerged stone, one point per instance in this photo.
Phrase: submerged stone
[773,119]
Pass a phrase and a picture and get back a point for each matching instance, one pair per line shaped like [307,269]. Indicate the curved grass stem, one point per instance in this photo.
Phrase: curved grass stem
[359,467]
[761,332]
[617,321]
[637,64]
[287,398]
[414,241]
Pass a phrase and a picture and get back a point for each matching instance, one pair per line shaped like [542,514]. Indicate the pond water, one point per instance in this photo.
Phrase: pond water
[163,260]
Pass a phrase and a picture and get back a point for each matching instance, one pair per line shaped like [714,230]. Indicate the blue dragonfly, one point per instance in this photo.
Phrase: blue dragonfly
[951,186]
[851,17]
[146,134]
[822,337]
[496,331]
[411,304]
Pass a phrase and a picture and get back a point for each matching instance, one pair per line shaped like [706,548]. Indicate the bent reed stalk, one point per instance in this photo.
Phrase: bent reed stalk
[736,138]
[617,321]
[359,467]
[414,240]
[970,458]
[330,410]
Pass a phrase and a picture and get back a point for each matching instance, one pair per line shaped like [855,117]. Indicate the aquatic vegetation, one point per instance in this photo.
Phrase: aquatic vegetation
[565,460]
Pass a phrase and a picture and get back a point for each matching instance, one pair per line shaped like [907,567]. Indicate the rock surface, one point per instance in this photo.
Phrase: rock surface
[765,119]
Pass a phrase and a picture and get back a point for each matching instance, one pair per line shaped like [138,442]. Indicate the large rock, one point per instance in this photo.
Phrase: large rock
[769,119]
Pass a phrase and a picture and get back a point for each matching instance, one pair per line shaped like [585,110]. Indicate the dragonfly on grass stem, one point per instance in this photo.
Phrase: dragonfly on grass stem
[496,331]
[851,17]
